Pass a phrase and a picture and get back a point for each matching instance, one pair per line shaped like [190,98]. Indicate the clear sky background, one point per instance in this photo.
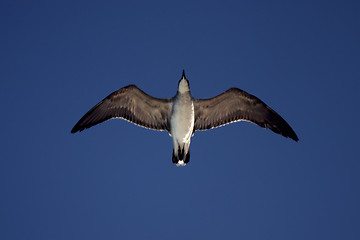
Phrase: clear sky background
[116,180]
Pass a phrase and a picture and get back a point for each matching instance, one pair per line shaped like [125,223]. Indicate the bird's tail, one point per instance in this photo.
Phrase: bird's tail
[181,157]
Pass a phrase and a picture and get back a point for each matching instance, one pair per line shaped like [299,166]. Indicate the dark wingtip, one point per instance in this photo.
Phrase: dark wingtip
[74,130]
[183,74]
[290,134]
[295,138]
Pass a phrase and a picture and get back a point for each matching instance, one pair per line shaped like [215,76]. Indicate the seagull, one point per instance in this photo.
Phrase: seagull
[183,114]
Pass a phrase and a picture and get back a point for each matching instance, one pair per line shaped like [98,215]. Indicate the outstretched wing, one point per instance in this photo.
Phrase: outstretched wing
[237,105]
[132,104]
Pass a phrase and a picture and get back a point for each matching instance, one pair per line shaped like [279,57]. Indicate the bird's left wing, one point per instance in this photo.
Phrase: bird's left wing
[132,104]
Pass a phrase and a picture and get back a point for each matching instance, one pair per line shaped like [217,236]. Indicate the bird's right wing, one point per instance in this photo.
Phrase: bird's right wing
[237,105]
[132,104]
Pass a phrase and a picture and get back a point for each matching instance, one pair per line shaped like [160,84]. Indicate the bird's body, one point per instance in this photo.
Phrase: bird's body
[182,123]
[183,114]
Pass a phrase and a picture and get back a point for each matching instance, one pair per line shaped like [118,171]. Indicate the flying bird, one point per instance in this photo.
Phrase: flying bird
[183,114]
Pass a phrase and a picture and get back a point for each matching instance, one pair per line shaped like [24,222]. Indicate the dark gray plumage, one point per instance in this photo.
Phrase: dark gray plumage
[237,105]
[132,104]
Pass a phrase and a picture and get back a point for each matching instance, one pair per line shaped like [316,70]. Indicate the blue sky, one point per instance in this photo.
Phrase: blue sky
[117,181]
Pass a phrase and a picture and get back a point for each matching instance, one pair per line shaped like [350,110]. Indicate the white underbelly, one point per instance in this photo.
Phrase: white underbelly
[182,123]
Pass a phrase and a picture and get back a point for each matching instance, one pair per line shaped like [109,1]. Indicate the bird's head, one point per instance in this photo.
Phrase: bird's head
[183,84]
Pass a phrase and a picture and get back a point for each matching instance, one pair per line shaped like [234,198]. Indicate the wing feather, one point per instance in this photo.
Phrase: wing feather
[237,105]
[132,104]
